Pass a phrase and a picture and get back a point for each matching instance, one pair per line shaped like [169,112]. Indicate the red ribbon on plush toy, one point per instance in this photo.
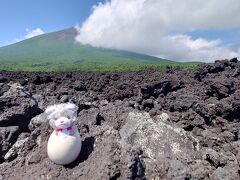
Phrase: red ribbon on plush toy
[60,130]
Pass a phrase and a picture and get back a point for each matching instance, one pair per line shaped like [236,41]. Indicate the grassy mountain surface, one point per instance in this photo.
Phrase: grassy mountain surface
[58,51]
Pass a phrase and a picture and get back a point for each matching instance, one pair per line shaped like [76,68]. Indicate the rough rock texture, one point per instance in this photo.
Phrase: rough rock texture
[159,142]
[178,124]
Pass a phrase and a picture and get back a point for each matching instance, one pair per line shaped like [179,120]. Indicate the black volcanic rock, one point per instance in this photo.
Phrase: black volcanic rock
[177,124]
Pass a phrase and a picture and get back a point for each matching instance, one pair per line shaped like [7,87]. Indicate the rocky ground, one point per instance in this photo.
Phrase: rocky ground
[179,124]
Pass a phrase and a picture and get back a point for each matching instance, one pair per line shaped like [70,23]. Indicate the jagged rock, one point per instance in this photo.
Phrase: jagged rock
[36,157]
[8,136]
[21,107]
[41,80]
[89,116]
[37,121]
[80,87]
[212,157]
[236,73]
[197,138]
[162,87]
[40,99]
[20,113]
[182,100]
[13,152]
[3,88]
[234,60]
[223,174]
[3,80]
[148,103]
[103,102]
[16,90]
[64,99]
[200,169]
[158,141]
[163,117]
[220,88]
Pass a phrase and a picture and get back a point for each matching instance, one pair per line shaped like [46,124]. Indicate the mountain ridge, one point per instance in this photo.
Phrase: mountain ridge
[58,51]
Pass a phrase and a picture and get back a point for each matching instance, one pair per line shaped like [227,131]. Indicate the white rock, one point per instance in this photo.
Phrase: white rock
[157,138]
[15,148]
[163,117]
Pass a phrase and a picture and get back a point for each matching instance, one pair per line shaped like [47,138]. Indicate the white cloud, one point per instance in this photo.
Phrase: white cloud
[34,32]
[200,49]
[29,34]
[144,26]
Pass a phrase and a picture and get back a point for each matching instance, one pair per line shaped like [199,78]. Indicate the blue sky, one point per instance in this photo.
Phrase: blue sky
[50,15]
[181,30]
[227,35]
[196,30]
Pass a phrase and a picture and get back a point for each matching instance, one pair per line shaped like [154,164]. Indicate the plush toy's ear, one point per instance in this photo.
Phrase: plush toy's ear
[50,110]
[71,107]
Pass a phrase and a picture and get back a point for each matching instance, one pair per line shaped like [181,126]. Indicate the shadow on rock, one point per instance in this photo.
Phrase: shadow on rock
[87,149]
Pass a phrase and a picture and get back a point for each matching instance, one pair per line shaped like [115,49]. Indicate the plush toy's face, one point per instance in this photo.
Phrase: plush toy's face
[62,123]
[62,116]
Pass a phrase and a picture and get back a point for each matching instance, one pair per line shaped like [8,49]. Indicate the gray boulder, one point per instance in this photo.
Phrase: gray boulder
[17,107]
[163,146]
[37,121]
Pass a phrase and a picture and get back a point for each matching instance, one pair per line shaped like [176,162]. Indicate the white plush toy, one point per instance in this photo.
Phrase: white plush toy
[64,144]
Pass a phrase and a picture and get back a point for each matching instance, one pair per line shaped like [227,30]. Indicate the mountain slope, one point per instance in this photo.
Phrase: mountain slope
[59,51]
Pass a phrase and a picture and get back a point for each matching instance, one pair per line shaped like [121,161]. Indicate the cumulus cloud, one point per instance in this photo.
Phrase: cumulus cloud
[161,28]
[34,32]
[186,48]
[29,34]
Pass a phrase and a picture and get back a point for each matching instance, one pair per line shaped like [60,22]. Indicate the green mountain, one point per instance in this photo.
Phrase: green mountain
[58,51]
